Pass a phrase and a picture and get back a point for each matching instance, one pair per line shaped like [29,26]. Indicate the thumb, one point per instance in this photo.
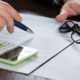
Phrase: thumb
[62,16]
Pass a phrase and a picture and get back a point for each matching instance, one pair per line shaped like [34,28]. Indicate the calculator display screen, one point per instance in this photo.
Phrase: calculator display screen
[12,55]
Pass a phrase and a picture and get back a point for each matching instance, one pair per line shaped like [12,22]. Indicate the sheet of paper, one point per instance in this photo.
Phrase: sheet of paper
[17,37]
[46,39]
[65,66]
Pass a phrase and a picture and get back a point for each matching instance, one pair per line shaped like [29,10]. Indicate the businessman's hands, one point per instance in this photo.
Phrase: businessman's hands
[7,15]
[70,8]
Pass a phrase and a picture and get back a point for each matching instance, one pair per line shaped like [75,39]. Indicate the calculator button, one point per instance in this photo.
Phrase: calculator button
[6,46]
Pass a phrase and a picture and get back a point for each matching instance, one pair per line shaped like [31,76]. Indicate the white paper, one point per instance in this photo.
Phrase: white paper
[46,39]
[17,37]
[65,66]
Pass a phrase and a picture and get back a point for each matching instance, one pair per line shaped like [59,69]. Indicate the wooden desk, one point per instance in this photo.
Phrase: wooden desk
[9,75]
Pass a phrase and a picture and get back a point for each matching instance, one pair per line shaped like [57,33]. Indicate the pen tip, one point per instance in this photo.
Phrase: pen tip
[30,31]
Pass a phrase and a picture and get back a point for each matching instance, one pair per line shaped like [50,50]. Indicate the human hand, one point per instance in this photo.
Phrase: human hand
[7,16]
[70,8]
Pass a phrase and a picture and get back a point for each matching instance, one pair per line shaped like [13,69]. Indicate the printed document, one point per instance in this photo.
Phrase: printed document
[17,37]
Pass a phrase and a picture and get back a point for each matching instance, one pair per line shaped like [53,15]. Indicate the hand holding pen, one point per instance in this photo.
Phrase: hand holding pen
[7,16]
[10,17]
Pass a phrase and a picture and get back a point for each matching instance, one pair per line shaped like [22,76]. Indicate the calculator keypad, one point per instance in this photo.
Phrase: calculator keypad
[6,46]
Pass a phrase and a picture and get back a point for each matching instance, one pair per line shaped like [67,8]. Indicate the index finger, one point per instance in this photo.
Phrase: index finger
[62,16]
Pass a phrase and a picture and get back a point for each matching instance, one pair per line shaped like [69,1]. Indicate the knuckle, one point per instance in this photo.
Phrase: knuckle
[8,16]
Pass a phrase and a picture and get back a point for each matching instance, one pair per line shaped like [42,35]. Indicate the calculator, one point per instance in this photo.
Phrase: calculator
[6,46]
[14,54]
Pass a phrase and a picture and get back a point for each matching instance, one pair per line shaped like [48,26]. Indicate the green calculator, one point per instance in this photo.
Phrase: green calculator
[12,54]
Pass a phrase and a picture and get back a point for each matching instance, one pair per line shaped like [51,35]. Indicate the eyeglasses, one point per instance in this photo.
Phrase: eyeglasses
[70,26]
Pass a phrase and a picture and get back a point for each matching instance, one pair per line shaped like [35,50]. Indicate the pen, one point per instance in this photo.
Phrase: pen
[22,26]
